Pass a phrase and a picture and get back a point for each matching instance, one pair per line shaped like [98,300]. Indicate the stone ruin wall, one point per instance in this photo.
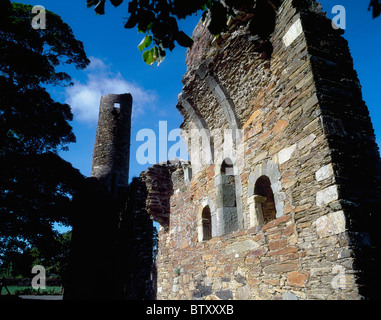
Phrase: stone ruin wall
[306,128]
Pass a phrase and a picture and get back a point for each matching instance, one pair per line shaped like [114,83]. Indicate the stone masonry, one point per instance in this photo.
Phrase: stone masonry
[111,155]
[294,201]
[281,196]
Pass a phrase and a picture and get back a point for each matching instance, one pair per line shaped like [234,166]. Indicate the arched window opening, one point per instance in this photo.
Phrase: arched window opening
[206,224]
[228,184]
[227,167]
[264,199]
[228,200]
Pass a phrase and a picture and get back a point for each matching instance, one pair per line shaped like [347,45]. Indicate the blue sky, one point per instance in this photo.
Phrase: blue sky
[117,67]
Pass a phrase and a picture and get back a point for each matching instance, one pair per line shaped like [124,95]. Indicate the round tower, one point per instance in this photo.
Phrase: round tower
[111,156]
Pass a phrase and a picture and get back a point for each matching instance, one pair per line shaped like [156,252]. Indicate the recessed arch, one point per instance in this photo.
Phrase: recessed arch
[223,97]
[206,212]
[264,193]
[201,150]
[229,217]
[206,220]
[227,167]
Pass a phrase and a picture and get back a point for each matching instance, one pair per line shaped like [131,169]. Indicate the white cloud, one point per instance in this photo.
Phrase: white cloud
[84,98]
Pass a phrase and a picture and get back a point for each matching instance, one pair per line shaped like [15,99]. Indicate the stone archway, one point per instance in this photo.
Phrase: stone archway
[229,215]
[210,215]
[265,177]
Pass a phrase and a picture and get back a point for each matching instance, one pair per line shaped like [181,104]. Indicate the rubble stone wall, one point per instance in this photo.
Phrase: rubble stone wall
[296,118]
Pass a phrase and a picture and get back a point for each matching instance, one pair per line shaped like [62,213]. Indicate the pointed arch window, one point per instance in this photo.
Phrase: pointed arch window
[227,198]
[206,220]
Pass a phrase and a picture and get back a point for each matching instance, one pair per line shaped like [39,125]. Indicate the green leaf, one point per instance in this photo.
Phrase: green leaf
[147,40]
[148,57]
[154,54]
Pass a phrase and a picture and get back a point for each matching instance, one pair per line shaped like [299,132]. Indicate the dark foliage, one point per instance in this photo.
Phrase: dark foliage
[36,185]
[159,18]
[375,6]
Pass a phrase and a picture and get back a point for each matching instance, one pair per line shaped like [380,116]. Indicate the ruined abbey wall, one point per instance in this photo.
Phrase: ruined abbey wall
[289,209]
[281,196]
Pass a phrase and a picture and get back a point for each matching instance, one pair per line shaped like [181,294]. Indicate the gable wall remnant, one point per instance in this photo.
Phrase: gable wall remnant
[297,121]
[280,198]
